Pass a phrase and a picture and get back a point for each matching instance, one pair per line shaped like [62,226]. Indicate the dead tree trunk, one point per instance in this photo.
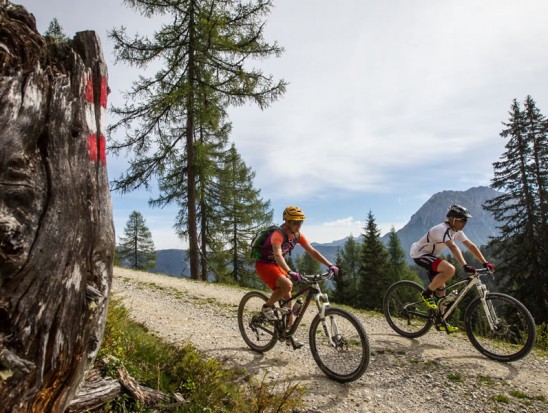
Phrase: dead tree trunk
[56,229]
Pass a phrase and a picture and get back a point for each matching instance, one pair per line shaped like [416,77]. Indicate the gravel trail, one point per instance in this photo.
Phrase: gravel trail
[434,373]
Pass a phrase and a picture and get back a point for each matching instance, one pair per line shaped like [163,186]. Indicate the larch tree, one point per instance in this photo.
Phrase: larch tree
[136,248]
[204,50]
[522,175]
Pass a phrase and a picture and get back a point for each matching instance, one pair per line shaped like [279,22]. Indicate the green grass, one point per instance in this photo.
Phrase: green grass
[501,398]
[455,378]
[542,339]
[202,381]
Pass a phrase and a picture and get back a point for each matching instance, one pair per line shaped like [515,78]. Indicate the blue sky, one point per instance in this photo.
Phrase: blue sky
[389,102]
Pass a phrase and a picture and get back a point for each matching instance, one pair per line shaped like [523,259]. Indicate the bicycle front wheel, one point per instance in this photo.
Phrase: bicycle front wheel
[405,310]
[257,332]
[339,345]
[512,334]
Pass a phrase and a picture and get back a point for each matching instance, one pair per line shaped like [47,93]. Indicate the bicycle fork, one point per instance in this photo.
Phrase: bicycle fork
[488,307]
[329,324]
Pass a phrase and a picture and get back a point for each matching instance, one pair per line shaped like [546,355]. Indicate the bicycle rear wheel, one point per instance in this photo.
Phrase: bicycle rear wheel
[258,333]
[514,330]
[339,346]
[405,310]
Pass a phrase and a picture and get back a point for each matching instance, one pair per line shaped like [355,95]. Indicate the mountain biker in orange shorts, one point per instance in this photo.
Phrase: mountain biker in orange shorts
[272,267]
[425,252]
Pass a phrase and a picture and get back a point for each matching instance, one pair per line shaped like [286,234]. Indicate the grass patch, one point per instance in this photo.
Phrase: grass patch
[455,378]
[542,339]
[501,398]
[518,394]
[200,380]
[489,381]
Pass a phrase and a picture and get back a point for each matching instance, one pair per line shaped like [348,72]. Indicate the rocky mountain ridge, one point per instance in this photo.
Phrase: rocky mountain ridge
[480,229]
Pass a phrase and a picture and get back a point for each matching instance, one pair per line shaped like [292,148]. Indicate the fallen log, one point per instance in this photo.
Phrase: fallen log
[97,390]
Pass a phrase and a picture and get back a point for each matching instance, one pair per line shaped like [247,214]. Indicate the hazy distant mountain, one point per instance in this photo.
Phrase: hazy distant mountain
[479,229]
[172,262]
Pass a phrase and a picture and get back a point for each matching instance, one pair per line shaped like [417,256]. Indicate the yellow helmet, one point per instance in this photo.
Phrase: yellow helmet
[293,213]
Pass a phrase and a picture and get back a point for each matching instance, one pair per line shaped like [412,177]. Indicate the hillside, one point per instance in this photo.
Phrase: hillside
[432,212]
[436,373]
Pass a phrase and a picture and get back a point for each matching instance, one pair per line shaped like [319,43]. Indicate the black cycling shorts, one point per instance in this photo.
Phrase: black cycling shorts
[430,262]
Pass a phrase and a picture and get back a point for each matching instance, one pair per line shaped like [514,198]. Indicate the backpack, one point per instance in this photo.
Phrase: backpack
[259,239]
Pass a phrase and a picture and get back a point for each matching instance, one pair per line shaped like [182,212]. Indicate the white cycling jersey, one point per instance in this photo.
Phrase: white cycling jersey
[433,242]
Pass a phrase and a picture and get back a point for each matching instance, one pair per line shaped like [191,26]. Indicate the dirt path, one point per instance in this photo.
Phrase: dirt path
[435,373]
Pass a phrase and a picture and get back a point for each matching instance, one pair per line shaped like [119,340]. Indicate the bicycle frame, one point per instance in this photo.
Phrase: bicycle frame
[482,291]
[322,302]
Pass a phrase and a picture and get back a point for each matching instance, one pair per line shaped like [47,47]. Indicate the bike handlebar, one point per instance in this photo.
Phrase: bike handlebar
[312,278]
[484,271]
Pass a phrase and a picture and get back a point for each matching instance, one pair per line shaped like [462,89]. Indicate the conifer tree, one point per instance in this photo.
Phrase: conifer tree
[204,50]
[307,265]
[347,284]
[137,247]
[398,268]
[373,272]
[241,214]
[54,33]
[522,175]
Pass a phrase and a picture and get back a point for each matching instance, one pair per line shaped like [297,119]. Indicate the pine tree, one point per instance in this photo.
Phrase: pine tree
[398,268]
[307,265]
[137,248]
[243,214]
[204,51]
[347,284]
[54,33]
[373,273]
[521,211]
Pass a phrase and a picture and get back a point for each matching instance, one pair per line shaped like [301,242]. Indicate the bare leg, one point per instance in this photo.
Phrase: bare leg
[446,271]
[285,286]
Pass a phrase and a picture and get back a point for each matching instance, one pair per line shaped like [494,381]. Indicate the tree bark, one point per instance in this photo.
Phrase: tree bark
[56,229]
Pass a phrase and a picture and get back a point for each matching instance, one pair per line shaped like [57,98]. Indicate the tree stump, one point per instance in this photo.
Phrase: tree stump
[56,230]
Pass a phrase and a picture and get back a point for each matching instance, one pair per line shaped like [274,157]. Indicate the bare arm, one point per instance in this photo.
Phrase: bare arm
[475,251]
[314,253]
[280,260]
[455,250]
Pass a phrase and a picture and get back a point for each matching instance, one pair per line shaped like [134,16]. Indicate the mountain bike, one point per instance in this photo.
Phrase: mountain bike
[338,341]
[498,326]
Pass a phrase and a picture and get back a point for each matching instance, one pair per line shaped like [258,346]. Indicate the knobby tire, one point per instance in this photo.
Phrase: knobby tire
[258,333]
[405,310]
[349,360]
[515,334]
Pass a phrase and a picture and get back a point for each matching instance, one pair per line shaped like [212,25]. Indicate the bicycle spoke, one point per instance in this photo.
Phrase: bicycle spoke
[405,310]
[257,332]
[506,332]
[340,345]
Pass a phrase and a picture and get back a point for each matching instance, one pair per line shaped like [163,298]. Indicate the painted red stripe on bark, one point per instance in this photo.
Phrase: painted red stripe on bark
[97,152]
[89,90]
[104,91]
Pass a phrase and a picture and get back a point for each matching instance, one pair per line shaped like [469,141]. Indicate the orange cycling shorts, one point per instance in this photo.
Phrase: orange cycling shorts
[269,273]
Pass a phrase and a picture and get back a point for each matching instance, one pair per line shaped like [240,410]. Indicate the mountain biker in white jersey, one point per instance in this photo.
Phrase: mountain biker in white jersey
[425,252]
